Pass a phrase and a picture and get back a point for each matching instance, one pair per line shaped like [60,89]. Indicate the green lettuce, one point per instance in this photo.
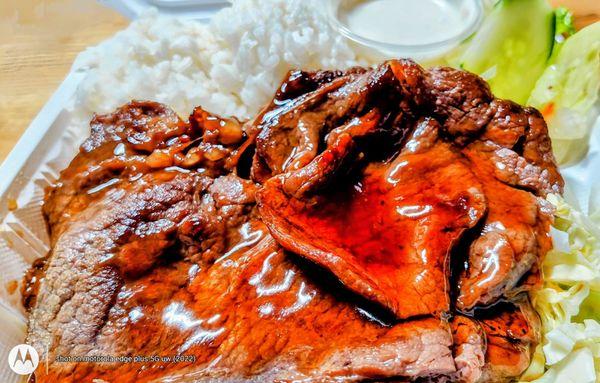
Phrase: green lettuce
[590,307]
[568,91]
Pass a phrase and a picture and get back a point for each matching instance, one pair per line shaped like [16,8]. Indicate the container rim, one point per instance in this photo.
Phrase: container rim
[475,6]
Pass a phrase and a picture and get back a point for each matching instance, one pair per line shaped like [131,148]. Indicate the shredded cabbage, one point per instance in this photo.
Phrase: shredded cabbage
[567,93]
[569,302]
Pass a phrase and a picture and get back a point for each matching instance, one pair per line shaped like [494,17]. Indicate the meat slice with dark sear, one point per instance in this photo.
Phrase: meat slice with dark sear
[460,100]
[119,146]
[137,138]
[496,343]
[512,333]
[123,233]
[514,235]
[470,114]
[386,233]
[509,150]
[469,349]
[371,183]
[175,260]
[290,131]
[251,317]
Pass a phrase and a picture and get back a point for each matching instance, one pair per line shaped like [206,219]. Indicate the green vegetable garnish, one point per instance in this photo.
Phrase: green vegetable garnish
[512,47]
[567,93]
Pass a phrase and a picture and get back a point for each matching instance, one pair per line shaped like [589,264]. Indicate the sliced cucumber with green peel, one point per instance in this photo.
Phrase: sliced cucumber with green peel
[512,47]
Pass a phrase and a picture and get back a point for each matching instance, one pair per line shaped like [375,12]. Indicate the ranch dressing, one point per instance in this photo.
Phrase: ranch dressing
[404,22]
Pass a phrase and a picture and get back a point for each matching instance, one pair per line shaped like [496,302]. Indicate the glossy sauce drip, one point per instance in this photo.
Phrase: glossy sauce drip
[511,332]
[376,221]
[515,232]
[239,314]
[393,228]
[31,285]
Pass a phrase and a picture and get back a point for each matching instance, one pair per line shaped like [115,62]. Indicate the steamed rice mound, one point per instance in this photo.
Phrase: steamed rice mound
[231,66]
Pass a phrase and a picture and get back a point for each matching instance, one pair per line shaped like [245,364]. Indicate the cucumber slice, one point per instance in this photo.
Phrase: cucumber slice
[512,47]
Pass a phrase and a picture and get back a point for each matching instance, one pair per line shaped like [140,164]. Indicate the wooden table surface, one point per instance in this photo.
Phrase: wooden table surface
[39,40]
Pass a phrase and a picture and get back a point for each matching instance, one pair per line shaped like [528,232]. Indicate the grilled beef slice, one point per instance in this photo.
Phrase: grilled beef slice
[320,241]
[386,235]
[166,261]
[494,177]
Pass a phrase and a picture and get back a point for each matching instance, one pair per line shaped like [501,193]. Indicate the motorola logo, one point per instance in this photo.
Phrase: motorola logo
[23,359]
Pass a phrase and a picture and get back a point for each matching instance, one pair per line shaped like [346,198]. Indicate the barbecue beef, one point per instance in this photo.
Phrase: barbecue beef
[377,223]
[387,235]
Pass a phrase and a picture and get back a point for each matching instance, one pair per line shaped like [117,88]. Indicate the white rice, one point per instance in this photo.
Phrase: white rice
[231,66]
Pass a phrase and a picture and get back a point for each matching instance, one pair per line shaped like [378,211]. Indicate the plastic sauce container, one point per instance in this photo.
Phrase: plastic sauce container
[421,29]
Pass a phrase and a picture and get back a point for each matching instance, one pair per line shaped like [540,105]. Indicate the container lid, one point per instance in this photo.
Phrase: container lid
[406,28]
[192,9]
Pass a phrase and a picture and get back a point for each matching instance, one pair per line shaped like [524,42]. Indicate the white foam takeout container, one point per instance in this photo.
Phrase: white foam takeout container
[52,140]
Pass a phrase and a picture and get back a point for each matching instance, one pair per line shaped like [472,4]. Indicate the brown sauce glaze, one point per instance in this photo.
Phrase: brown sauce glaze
[514,234]
[511,330]
[251,313]
[31,283]
[388,234]
[312,243]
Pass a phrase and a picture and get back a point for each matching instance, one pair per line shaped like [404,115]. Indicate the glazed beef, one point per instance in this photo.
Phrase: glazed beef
[360,104]
[486,174]
[368,224]
[387,234]
[495,347]
[168,261]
